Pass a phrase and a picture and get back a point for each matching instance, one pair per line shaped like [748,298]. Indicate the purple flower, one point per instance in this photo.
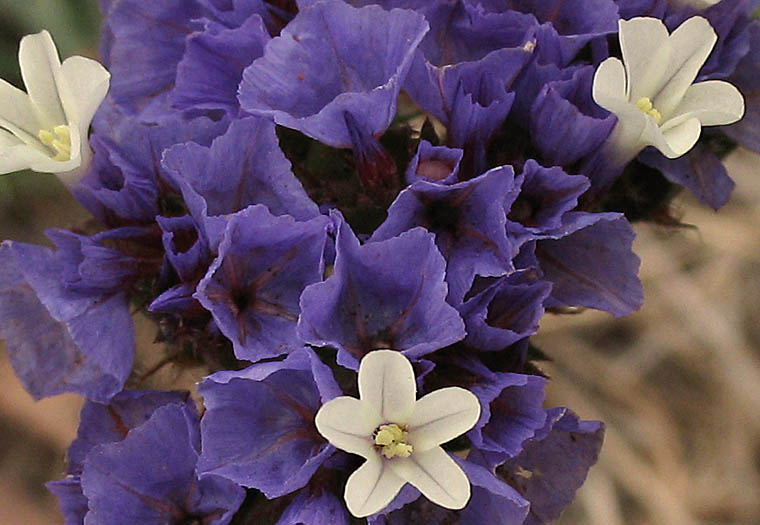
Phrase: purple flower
[545,196]
[101,424]
[61,340]
[142,45]
[126,183]
[565,124]
[258,429]
[253,287]
[150,476]
[505,312]
[554,464]
[590,263]
[212,65]
[387,294]
[242,167]
[468,220]
[332,59]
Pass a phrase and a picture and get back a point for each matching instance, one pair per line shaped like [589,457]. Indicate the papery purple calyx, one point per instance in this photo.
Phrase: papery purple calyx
[145,42]
[468,219]
[505,312]
[331,59]
[253,286]
[554,464]
[565,124]
[375,299]
[545,195]
[258,429]
[589,262]
[212,66]
[60,340]
[242,167]
[126,183]
[150,476]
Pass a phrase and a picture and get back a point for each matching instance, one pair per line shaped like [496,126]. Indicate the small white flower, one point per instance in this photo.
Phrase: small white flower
[652,91]
[399,435]
[45,129]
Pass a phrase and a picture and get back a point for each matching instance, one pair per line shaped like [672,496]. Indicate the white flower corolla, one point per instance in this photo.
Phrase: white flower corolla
[652,91]
[399,435]
[45,129]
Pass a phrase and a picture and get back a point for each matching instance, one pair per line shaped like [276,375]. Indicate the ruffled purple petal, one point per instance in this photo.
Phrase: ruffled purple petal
[332,59]
[253,287]
[565,124]
[146,40]
[700,170]
[386,294]
[545,195]
[99,424]
[550,469]
[149,476]
[125,181]
[212,66]
[594,265]
[242,167]
[321,507]
[258,429]
[505,312]
[746,77]
[60,340]
[434,164]
[468,220]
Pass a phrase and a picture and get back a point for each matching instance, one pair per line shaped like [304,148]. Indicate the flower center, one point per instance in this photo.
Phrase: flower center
[59,140]
[391,441]
[645,105]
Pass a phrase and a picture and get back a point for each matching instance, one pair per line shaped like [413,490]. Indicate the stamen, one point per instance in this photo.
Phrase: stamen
[59,140]
[645,105]
[392,441]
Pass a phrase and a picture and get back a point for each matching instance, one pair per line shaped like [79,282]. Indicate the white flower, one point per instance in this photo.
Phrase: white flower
[399,435]
[652,92]
[46,128]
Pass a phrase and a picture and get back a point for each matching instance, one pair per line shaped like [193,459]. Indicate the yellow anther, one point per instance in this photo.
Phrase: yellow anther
[645,105]
[59,140]
[392,440]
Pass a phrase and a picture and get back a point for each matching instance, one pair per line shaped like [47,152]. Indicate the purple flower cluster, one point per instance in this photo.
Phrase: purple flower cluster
[282,187]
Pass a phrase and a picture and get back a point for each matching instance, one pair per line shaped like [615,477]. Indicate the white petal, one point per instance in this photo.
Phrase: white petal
[39,64]
[16,112]
[348,423]
[646,55]
[692,43]
[16,156]
[83,85]
[386,381]
[713,103]
[442,415]
[681,138]
[371,487]
[627,138]
[436,475]
[609,88]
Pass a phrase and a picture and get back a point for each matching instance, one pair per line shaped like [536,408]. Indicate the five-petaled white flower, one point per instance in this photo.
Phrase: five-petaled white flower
[399,435]
[46,128]
[652,91]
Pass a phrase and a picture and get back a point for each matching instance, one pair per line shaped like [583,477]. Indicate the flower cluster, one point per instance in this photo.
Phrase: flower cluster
[326,207]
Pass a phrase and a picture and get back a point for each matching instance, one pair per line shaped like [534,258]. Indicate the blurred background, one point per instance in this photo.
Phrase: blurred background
[677,383]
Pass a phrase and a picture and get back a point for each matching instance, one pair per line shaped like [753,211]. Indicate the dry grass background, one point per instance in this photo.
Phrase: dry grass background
[678,383]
